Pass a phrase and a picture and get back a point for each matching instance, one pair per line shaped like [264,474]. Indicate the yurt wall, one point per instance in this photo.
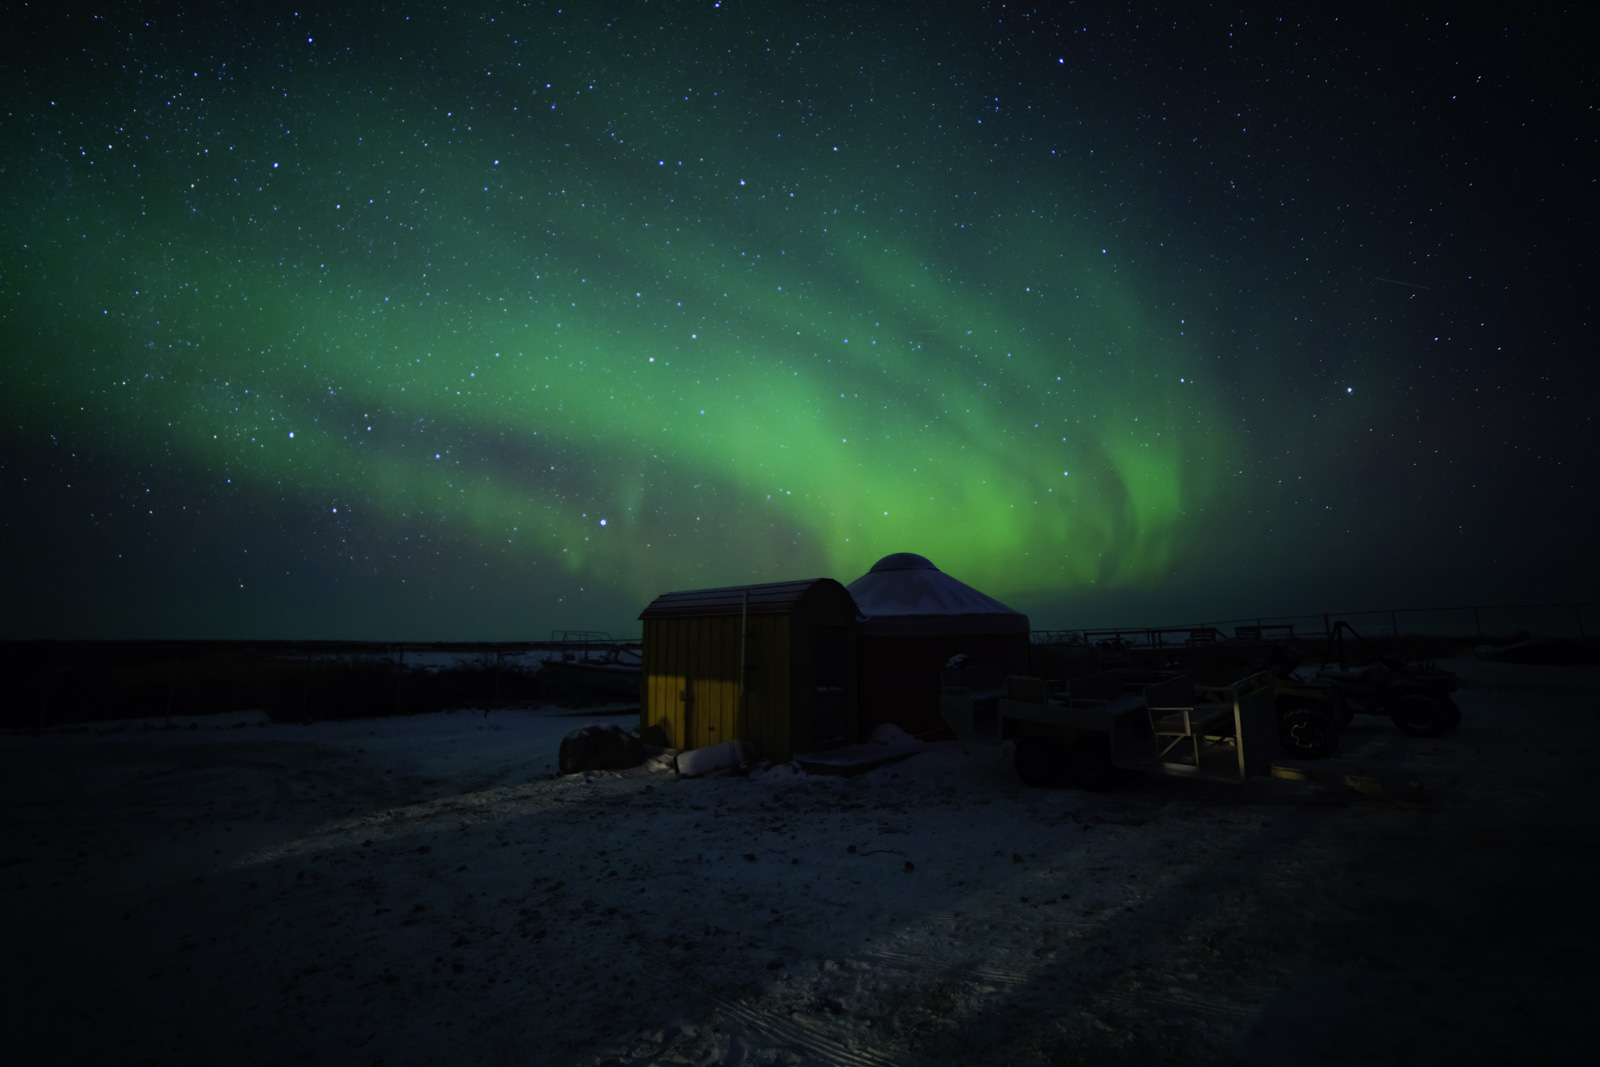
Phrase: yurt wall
[916,618]
[898,676]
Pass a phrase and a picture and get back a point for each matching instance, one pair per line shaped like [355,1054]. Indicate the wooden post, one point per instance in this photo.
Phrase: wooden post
[1394,627]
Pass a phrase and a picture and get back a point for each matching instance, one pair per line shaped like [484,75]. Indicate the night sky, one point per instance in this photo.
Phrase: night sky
[475,323]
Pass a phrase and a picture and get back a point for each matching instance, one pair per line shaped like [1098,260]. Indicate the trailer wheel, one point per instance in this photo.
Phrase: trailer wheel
[1418,716]
[1305,732]
[1335,709]
[1038,761]
[1089,764]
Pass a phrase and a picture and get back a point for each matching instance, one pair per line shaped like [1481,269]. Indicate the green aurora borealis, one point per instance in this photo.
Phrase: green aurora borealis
[459,326]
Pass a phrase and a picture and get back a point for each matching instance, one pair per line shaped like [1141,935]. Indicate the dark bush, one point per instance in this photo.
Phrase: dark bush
[602,747]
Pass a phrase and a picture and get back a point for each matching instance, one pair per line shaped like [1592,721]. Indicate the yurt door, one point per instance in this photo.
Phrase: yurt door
[831,713]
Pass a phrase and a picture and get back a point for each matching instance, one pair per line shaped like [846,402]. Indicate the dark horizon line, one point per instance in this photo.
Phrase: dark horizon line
[1575,606]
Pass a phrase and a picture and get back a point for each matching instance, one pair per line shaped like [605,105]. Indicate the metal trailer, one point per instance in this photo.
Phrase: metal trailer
[1088,731]
[1085,731]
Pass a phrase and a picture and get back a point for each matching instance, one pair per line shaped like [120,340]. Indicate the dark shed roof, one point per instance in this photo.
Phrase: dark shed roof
[771,598]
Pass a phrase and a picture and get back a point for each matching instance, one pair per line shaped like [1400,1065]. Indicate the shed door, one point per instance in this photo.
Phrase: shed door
[704,712]
[710,685]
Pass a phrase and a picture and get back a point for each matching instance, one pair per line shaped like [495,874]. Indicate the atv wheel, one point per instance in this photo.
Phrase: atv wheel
[1089,764]
[1420,716]
[1333,708]
[1038,761]
[1305,732]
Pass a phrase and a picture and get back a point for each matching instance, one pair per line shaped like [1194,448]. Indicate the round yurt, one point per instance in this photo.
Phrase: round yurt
[915,619]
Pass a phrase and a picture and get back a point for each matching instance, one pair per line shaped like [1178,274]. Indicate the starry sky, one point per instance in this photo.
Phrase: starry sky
[473,323]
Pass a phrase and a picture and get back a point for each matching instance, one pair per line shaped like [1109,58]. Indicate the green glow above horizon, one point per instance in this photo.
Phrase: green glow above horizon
[844,388]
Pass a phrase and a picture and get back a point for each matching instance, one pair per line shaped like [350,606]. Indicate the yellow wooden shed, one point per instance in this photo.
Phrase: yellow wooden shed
[772,665]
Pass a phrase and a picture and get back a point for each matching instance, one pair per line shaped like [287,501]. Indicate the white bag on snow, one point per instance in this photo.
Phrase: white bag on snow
[723,757]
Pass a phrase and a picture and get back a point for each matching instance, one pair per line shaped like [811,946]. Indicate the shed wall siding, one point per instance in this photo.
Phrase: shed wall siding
[766,723]
[662,679]
[691,687]
[699,657]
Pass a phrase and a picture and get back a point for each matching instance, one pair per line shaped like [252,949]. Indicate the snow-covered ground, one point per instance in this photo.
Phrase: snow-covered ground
[425,890]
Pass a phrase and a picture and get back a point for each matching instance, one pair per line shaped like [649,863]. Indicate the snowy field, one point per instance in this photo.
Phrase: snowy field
[425,890]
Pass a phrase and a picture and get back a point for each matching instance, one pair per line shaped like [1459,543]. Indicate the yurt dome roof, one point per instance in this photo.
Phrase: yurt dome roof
[903,561]
[905,591]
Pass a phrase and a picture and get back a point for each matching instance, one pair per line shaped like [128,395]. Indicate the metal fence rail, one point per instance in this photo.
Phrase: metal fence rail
[1483,621]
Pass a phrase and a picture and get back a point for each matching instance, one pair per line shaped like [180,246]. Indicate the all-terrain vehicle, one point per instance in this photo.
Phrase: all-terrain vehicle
[1415,696]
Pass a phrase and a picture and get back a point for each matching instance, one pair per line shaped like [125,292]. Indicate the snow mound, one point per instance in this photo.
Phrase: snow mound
[890,734]
[778,773]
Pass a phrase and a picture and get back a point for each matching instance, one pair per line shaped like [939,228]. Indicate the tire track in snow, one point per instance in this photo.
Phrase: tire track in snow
[802,1034]
[1210,1007]
[921,966]
[920,961]
[388,824]
[773,1027]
